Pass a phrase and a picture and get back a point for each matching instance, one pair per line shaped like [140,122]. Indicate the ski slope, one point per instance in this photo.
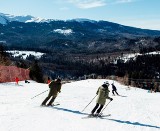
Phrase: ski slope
[135,110]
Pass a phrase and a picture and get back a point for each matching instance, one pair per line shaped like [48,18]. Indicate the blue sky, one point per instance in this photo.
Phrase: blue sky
[137,13]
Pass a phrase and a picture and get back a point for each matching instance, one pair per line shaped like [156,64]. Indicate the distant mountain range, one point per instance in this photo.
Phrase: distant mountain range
[76,35]
[5,18]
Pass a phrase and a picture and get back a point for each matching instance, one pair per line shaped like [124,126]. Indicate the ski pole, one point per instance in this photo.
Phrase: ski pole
[88,104]
[39,94]
[103,109]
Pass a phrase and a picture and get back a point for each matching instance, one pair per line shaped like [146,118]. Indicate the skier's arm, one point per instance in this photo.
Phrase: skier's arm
[59,88]
[51,84]
[109,98]
[97,91]
[107,95]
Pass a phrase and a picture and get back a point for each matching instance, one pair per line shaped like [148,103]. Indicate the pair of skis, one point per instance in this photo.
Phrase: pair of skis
[51,105]
[96,116]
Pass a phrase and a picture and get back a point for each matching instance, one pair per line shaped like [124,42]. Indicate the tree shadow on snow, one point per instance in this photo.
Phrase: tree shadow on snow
[71,111]
[133,123]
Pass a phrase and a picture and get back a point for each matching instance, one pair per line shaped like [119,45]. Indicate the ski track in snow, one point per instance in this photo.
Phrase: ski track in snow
[135,110]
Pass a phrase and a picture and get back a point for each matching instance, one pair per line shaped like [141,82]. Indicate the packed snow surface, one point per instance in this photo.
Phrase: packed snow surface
[134,110]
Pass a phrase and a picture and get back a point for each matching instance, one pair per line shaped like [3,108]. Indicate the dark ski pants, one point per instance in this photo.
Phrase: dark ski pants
[96,107]
[50,102]
[115,92]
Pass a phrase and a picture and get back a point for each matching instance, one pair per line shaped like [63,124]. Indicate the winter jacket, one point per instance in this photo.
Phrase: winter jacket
[55,87]
[114,87]
[16,79]
[102,95]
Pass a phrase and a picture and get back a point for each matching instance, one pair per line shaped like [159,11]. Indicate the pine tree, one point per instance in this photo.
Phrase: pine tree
[36,72]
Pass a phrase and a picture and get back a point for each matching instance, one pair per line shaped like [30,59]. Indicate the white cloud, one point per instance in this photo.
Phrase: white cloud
[123,1]
[86,4]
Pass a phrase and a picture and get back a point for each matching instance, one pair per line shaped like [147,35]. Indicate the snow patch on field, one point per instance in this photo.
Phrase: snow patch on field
[25,54]
[64,31]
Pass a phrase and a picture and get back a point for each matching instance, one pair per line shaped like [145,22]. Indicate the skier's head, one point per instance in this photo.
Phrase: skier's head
[106,84]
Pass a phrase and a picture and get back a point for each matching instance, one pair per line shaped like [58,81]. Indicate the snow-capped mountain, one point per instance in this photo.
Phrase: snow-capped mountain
[72,35]
[5,18]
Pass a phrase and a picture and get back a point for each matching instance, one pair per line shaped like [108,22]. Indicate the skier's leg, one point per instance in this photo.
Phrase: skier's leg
[100,108]
[113,92]
[44,102]
[95,108]
[116,92]
[51,101]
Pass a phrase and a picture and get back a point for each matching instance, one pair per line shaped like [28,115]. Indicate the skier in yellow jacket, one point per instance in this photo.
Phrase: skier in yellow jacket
[103,94]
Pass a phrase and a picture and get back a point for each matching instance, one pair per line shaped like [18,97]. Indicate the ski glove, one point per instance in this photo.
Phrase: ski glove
[111,99]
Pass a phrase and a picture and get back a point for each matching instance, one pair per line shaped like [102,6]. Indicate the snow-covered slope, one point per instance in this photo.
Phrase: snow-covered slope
[135,110]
